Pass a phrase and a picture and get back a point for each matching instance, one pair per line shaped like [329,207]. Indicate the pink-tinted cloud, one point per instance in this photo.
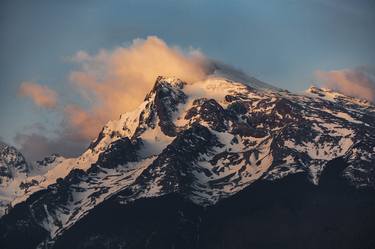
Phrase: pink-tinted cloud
[352,82]
[117,81]
[111,82]
[82,125]
[41,95]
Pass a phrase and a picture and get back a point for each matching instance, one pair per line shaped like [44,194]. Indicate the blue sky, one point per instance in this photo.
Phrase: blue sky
[282,42]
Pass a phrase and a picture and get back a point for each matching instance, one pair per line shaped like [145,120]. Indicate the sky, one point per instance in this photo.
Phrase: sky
[48,47]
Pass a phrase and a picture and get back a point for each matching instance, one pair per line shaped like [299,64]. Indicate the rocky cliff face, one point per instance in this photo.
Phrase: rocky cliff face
[200,144]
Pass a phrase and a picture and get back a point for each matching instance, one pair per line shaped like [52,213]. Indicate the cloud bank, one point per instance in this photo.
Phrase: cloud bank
[110,83]
[358,82]
[42,96]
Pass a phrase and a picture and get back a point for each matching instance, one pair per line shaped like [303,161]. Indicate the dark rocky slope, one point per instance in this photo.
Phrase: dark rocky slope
[287,213]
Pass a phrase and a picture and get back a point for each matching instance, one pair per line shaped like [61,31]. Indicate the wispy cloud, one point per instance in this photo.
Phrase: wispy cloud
[358,82]
[41,95]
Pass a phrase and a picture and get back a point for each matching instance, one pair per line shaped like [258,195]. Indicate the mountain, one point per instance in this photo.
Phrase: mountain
[13,167]
[210,164]
[17,175]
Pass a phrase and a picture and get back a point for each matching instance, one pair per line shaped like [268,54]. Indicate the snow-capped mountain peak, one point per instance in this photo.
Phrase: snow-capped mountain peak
[206,141]
[13,168]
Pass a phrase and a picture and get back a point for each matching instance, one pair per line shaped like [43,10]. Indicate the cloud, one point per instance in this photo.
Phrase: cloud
[36,146]
[41,95]
[82,125]
[37,141]
[358,82]
[110,82]
[116,81]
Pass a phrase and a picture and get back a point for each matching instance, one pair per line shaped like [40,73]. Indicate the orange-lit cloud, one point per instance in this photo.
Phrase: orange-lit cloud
[117,81]
[41,95]
[110,83]
[82,125]
[352,82]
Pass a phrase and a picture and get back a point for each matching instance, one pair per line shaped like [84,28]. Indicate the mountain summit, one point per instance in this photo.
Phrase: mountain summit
[197,147]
